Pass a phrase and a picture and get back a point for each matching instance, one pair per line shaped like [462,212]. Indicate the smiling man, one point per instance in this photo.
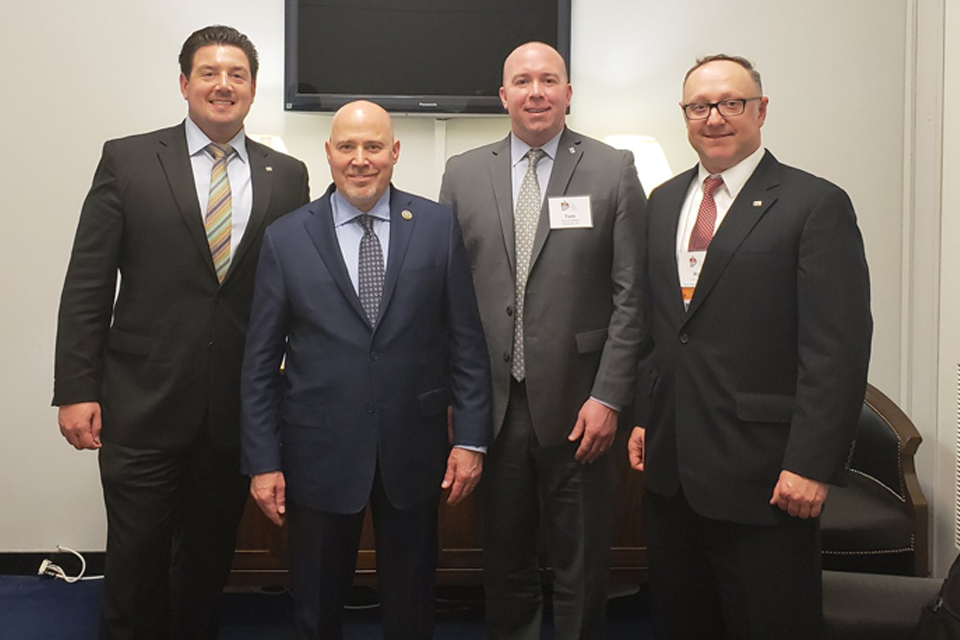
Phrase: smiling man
[750,399]
[366,294]
[553,222]
[150,375]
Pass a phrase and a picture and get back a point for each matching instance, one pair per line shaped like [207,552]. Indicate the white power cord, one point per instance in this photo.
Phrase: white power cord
[51,570]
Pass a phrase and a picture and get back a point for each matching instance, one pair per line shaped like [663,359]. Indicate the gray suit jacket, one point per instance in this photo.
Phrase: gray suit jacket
[582,314]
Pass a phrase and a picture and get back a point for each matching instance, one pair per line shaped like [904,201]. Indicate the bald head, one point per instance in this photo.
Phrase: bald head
[361,111]
[536,92]
[361,152]
[538,51]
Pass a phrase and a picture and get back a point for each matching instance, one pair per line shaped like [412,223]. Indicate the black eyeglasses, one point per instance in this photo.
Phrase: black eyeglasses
[726,108]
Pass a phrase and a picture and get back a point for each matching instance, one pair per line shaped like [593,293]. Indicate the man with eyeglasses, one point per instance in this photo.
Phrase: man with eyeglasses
[750,394]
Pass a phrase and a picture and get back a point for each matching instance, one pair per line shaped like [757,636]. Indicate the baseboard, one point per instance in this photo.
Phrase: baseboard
[26,564]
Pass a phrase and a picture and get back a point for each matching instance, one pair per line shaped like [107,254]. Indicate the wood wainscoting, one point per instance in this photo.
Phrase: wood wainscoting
[261,552]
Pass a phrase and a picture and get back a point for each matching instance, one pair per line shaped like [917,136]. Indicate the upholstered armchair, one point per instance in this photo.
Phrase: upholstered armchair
[877,523]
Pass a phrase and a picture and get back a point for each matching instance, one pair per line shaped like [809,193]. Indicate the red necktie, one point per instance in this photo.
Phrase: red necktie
[706,217]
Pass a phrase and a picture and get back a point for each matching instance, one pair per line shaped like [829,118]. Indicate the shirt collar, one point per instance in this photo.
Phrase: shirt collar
[519,148]
[197,140]
[344,212]
[736,176]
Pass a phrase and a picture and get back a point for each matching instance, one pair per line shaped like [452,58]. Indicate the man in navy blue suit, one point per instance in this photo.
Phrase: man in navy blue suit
[368,295]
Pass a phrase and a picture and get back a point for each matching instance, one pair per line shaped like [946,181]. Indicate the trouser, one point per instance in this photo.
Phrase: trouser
[521,479]
[172,518]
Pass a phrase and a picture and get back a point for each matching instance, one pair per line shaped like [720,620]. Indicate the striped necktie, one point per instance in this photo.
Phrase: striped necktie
[217,222]
[706,216]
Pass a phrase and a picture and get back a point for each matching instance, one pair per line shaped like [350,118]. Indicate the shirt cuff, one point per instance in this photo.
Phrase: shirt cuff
[608,405]
[471,448]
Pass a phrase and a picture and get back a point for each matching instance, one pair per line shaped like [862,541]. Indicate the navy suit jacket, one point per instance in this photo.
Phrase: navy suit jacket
[354,395]
[767,368]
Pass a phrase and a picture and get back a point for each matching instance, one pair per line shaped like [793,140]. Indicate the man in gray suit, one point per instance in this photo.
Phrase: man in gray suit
[557,273]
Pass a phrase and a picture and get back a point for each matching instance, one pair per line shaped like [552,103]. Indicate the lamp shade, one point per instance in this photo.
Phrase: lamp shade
[274,142]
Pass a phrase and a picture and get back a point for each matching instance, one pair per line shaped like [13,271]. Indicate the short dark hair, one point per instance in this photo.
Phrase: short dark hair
[220,35]
[743,62]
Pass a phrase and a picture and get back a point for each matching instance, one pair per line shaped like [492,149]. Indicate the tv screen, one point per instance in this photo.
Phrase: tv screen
[411,56]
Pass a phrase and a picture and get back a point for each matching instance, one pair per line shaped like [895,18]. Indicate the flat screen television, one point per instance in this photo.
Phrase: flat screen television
[411,56]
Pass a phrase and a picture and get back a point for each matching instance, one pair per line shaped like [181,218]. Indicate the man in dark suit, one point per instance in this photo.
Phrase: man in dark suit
[149,374]
[558,276]
[366,292]
[761,338]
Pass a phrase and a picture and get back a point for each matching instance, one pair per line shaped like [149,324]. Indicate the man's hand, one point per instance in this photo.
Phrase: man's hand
[463,473]
[635,447]
[597,424]
[80,424]
[270,491]
[799,496]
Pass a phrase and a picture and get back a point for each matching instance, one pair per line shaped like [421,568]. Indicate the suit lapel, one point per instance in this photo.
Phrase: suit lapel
[324,237]
[401,230]
[261,179]
[568,157]
[175,160]
[501,176]
[674,193]
[753,201]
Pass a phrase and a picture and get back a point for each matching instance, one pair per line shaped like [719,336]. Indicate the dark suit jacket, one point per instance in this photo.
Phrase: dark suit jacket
[355,396]
[582,312]
[767,369]
[166,354]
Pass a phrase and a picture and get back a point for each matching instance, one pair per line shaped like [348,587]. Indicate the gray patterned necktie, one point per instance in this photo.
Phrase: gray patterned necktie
[371,269]
[526,215]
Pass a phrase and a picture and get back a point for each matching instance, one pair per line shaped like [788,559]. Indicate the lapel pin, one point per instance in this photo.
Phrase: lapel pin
[571,150]
[406,215]
[269,169]
[758,203]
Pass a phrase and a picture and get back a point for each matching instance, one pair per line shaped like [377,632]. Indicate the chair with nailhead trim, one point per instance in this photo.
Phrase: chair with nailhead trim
[877,523]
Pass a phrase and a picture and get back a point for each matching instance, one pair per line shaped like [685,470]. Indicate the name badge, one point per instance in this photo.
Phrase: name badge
[690,264]
[570,212]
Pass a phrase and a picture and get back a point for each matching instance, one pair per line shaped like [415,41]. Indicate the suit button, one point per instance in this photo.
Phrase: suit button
[371,407]
[506,357]
[684,338]
[509,311]
[373,355]
[210,344]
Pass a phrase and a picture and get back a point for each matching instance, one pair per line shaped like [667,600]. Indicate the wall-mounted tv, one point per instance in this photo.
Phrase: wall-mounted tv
[411,56]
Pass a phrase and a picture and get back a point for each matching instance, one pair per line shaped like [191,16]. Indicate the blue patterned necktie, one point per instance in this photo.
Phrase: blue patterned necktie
[371,269]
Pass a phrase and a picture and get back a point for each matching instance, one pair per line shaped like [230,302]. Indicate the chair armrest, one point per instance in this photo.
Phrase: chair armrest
[910,440]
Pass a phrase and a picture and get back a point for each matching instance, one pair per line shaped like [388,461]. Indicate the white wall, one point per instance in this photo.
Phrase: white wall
[77,74]
[945,443]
